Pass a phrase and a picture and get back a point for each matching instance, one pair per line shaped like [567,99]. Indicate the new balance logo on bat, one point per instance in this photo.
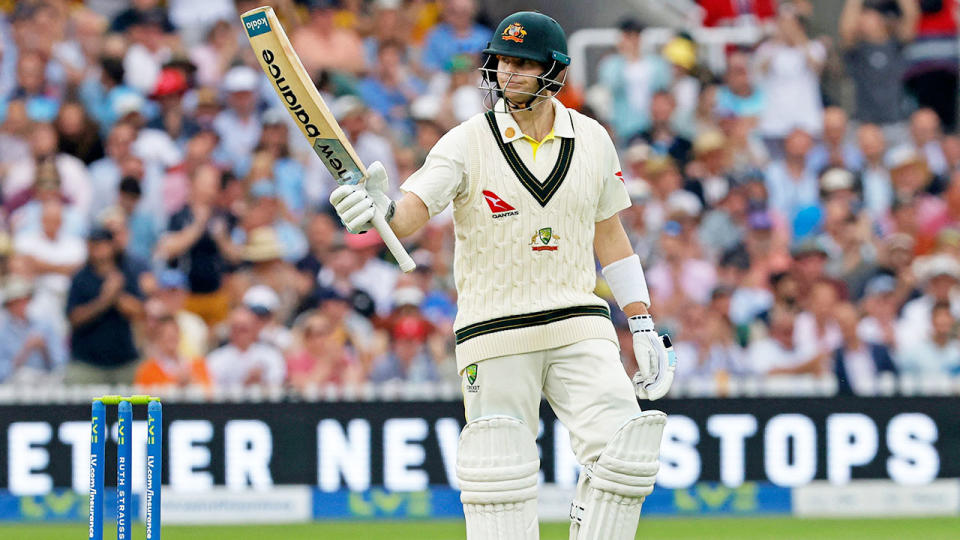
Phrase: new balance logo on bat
[498,206]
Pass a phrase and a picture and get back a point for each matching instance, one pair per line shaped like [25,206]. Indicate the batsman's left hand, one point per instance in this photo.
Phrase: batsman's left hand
[656,361]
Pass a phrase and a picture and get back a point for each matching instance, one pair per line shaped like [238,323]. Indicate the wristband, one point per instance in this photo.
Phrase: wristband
[626,281]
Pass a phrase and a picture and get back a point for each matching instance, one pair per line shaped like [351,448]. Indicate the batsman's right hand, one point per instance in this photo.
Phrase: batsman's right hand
[356,204]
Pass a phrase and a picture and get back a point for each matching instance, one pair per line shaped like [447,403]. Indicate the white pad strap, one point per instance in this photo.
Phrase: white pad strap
[627,282]
[497,467]
[618,482]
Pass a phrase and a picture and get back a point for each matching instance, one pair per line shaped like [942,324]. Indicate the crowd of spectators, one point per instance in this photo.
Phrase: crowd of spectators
[164,223]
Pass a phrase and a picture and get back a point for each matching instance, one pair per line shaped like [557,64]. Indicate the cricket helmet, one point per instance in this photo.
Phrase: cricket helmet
[532,36]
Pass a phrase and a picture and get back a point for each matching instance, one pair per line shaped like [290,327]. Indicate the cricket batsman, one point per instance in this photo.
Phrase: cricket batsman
[536,189]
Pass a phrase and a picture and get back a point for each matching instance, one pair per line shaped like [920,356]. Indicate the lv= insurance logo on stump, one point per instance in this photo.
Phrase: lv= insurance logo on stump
[98,436]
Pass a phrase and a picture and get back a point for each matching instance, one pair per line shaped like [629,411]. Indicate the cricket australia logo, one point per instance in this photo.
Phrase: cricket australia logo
[498,206]
[471,374]
[514,32]
[545,240]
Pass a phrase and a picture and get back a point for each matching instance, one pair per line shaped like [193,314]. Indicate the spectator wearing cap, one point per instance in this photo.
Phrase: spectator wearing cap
[791,185]
[661,135]
[77,133]
[408,359]
[263,254]
[171,292]
[321,356]
[937,354]
[151,145]
[857,363]
[322,45]
[26,207]
[879,304]
[874,175]
[70,173]
[834,148]
[165,364]
[198,242]
[343,310]
[244,361]
[238,125]
[149,34]
[940,278]
[265,209]
[142,227]
[103,302]
[265,304]
[708,173]
[30,348]
[872,38]
[53,256]
[458,33]
[790,64]
[631,77]
[390,88]
[172,119]
[681,53]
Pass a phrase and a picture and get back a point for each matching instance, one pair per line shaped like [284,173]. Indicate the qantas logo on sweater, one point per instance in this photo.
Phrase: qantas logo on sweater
[498,206]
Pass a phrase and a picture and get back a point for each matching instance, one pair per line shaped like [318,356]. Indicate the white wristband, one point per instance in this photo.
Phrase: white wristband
[626,281]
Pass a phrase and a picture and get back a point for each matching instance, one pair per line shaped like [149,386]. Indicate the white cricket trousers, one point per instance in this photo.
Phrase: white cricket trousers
[584,382]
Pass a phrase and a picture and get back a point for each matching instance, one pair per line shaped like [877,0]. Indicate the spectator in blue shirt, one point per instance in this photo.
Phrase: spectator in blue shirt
[457,34]
[29,347]
[391,88]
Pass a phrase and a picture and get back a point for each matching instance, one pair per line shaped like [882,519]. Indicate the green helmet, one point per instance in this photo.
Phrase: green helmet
[532,36]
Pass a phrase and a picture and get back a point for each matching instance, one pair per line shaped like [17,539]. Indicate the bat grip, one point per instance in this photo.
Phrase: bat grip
[393,243]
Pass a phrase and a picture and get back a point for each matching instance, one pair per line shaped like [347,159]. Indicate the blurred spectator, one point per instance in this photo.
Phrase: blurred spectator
[661,135]
[77,133]
[681,53]
[457,34]
[263,254]
[874,176]
[143,229]
[739,96]
[791,185]
[265,304]
[353,116]
[390,88]
[198,242]
[937,354]
[321,44]
[680,278]
[150,36]
[26,208]
[238,125]
[631,78]
[940,277]
[816,333]
[216,54]
[880,312]
[873,39]
[835,150]
[172,118]
[133,14]
[777,353]
[53,256]
[321,356]
[926,137]
[72,175]
[193,335]
[374,275]
[389,24]
[736,13]
[265,209]
[30,349]
[165,364]
[708,172]
[857,363]
[790,65]
[103,301]
[243,361]
[408,358]
[322,234]
[708,345]
[933,60]
[285,171]
[102,89]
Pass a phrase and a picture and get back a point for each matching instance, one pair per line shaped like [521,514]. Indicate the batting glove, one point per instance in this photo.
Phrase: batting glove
[656,361]
[357,203]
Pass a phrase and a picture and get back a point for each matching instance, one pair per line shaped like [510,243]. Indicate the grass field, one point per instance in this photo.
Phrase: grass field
[672,529]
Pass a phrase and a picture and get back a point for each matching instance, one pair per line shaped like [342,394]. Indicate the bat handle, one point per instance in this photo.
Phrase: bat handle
[393,243]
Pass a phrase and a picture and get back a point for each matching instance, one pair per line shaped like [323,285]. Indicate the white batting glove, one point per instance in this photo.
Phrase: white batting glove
[656,361]
[356,203]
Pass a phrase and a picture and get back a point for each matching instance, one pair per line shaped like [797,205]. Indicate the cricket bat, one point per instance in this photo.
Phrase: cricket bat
[292,83]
